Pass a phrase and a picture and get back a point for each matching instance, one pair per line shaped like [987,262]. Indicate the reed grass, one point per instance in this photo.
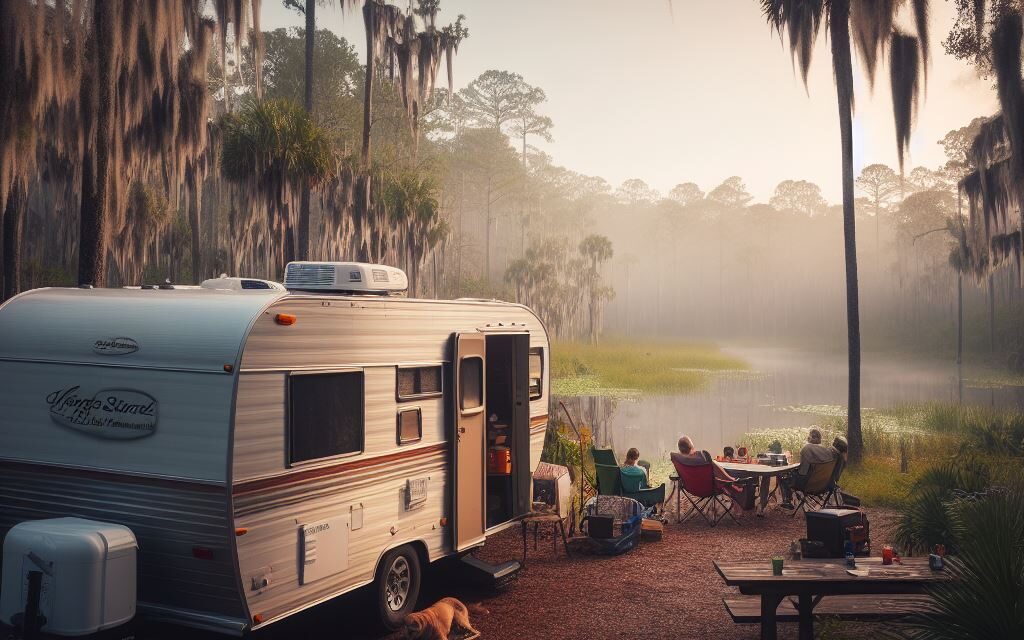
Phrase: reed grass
[923,437]
[621,367]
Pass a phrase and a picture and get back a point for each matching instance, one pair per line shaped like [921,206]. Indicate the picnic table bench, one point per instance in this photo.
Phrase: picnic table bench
[747,609]
[809,582]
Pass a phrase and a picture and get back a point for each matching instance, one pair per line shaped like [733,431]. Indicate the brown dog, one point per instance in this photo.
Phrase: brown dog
[435,622]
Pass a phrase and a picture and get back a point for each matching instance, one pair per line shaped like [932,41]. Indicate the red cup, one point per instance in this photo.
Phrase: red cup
[887,554]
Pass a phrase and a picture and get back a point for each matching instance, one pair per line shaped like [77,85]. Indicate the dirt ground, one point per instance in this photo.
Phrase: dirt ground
[666,589]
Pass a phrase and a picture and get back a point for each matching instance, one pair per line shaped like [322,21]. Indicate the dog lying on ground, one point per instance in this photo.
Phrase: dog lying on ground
[436,621]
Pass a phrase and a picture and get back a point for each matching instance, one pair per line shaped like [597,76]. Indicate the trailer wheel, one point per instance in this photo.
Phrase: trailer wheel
[398,585]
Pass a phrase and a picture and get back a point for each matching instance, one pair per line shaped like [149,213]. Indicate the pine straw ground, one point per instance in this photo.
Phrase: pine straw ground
[666,589]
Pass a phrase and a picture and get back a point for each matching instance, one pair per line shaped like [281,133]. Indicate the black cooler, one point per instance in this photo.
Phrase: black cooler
[833,527]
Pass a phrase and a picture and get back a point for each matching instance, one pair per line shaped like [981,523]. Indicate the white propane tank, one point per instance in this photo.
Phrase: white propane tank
[88,572]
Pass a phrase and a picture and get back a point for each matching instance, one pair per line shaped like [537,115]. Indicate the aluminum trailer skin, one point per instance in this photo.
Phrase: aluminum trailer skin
[193,416]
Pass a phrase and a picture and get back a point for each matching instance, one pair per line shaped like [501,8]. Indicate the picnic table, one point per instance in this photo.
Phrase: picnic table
[810,580]
[764,474]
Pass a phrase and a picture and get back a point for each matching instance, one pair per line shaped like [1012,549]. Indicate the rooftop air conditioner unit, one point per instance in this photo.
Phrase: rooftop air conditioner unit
[345,277]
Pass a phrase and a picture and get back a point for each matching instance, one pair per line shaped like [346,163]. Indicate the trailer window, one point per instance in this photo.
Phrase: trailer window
[471,383]
[410,425]
[536,373]
[325,415]
[419,382]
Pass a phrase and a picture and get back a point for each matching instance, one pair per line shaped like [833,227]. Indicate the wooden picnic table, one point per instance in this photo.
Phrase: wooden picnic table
[810,580]
[764,474]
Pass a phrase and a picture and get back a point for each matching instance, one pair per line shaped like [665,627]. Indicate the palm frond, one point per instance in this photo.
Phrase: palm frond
[801,20]
[871,24]
[904,64]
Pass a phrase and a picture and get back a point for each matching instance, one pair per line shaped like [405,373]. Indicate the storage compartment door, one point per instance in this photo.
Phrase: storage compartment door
[468,450]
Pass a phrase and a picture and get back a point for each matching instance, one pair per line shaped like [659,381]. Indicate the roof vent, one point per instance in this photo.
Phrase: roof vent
[241,284]
[345,277]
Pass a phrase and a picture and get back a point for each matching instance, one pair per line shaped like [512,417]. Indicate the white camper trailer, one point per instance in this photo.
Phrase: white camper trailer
[269,448]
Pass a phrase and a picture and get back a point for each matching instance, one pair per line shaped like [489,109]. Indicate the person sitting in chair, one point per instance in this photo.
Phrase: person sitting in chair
[812,453]
[690,455]
[631,468]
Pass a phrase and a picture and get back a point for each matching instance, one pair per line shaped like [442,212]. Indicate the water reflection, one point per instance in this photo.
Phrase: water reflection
[776,394]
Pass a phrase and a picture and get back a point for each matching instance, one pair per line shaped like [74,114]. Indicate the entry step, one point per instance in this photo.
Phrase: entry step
[496,576]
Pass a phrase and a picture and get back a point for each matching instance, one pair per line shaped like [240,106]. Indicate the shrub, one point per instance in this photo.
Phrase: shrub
[926,519]
[985,600]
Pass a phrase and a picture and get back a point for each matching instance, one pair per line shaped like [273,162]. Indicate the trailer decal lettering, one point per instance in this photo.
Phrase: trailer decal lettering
[115,346]
[118,414]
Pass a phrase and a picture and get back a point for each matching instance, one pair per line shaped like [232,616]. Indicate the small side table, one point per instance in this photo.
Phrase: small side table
[536,519]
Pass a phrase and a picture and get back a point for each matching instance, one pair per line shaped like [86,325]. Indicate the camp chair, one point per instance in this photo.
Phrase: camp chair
[603,456]
[819,488]
[607,457]
[612,482]
[634,487]
[704,491]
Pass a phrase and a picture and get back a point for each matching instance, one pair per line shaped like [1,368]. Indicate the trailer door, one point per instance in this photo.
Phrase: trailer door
[468,450]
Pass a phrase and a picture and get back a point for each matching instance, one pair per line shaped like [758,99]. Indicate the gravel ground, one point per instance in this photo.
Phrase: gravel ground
[666,589]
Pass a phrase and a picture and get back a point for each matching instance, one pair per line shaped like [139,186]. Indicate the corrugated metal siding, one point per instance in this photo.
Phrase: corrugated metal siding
[274,515]
[375,336]
[168,519]
[365,331]
[260,448]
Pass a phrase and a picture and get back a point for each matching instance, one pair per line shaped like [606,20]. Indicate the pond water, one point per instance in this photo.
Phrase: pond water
[784,388]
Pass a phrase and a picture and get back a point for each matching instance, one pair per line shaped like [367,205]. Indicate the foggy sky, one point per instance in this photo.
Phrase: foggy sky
[698,94]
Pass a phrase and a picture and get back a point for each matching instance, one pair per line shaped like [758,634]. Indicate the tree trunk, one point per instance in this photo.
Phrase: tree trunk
[842,63]
[303,252]
[369,20]
[13,232]
[92,243]
[959,335]
[991,316]
[195,202]
[487,243]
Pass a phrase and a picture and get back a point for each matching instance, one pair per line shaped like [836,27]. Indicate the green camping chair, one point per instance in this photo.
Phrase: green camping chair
[604,456]
[611,482]
[607,457]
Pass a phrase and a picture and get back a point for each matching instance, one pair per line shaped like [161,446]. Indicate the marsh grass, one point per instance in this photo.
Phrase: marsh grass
[620,367]
[924,436]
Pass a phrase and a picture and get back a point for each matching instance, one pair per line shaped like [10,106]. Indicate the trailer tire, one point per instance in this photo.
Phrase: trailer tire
[398,585]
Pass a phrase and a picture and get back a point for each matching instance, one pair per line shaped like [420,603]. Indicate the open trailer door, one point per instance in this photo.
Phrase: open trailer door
[468,449]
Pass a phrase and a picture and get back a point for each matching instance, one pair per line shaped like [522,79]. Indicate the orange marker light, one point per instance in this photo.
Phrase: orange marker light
[228,368]
[258,618]
[285,319]
[241,531]
[444,522]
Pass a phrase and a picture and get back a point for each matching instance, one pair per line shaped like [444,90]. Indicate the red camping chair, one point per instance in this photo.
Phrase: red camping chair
[704,491]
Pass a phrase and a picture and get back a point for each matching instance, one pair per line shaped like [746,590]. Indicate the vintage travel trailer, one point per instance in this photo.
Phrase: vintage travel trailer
[269,447]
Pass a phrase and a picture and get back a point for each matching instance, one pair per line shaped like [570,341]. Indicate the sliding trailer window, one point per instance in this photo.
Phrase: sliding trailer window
[325,415]
[416,383]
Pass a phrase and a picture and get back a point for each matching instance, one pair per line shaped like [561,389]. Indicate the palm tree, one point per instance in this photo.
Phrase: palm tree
[870,23]
[273,149]
[309,11]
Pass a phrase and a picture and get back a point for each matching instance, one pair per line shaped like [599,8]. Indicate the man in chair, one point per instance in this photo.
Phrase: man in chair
[812,453]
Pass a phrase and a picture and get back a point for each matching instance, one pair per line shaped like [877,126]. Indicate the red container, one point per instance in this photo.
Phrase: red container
[886,554]
[499,460]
